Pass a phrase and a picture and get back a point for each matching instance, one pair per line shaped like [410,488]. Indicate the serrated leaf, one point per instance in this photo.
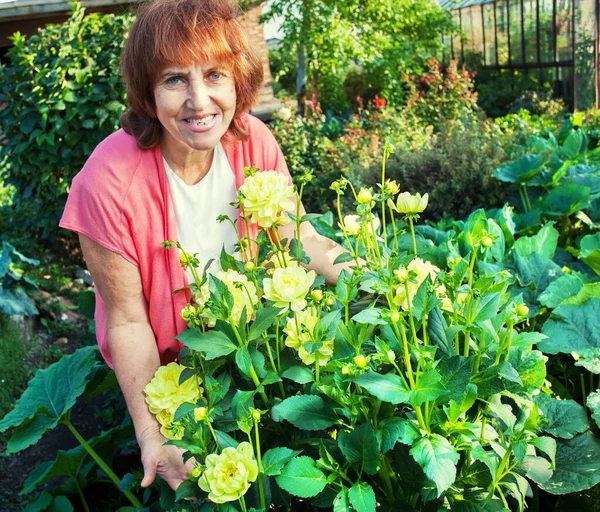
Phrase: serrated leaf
[438,459]
[361,447]
[487,307]
[49,396]
[265,318]
[572,328]
[307,412]
[301,478]
[275,459]
[212,344]
[388,388]
[341,503]
[343,258]
[566,418]
[428,388]
[395,430]
[371,316]
[362,497]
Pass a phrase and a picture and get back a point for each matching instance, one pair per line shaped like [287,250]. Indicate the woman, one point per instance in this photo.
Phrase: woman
[173,168]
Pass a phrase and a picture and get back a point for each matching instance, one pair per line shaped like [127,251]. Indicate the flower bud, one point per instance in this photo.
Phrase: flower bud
[487,241]
[401,274]
[183,260]
[329,301]
[364,196]
[196,472]
[360,361]
[395,317]
[249,266]
[345,370]
[391,355]
[256,415]
[317,295]
[522,310]
[200,414]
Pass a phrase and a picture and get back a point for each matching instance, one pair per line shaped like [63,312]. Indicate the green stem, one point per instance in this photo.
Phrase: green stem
[243,504]
[527,201]
[510,337]
[583,395]
[86,507]
[213,433]
[257,383]
[411,320]
[261,490]
[412,232]
[274,368]
[103,465]
[394,229]
[298,204]
[317,369]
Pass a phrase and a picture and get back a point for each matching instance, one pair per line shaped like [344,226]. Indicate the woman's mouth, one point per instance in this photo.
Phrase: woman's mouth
[200,121]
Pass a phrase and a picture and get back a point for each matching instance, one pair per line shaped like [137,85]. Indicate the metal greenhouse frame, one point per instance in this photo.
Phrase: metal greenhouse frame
[557,38]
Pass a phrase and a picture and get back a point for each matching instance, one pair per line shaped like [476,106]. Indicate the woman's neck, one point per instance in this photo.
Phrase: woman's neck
[190,167]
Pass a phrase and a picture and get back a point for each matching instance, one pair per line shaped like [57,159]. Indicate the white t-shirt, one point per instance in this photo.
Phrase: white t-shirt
[197,208]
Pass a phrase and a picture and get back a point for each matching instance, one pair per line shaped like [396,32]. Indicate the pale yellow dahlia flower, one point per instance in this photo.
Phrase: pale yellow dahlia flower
[279,260]
[267,197]
[169,428]
[354,226]
[300,330]
[164,393]
[243,291]
[228,476]
[422,269]
[289,286]
[408,203]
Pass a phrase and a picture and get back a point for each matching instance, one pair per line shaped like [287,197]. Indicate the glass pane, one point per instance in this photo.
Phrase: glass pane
[584,54]
[530,26]
[490,43]
[501,20]
[546,34]
[467,30]
[563,29]
[477,39]
[456,40]
[516,56]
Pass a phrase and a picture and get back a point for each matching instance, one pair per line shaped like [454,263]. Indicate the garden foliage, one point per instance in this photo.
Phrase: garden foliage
[62,94]
[14,299]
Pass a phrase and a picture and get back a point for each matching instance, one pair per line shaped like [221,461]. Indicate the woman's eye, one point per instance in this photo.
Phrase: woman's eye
[215,75]
[173,80]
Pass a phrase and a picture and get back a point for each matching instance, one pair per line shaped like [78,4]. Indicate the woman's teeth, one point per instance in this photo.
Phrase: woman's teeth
[201,122]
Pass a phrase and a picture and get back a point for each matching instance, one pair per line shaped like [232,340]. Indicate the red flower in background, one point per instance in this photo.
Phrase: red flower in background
[379,102]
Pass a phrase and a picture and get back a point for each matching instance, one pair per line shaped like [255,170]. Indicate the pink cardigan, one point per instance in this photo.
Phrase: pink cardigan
[120,199]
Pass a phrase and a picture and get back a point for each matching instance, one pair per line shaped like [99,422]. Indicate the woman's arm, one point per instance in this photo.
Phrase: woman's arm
[135,356]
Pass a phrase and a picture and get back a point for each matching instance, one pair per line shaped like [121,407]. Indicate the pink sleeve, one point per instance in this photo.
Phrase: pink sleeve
[95,208]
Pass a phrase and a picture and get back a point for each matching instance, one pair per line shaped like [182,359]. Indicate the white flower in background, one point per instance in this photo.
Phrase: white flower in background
[409,204]
[285,114]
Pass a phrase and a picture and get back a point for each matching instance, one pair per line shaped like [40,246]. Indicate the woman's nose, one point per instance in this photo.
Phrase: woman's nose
[198,95]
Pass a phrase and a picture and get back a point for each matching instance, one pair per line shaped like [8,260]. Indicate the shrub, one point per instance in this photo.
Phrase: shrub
[12,369]
[63,95]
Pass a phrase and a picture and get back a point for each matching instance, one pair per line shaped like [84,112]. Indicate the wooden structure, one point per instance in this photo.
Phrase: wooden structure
[557,39]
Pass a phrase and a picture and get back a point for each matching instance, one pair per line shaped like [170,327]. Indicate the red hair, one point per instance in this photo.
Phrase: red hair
[183,32]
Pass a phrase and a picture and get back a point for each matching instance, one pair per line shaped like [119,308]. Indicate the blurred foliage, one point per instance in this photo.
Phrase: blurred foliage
[13,373]
[63,95]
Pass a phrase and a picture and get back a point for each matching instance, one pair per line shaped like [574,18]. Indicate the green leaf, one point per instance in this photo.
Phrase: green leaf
[520,170]
[456,373]
[590,251]
[587,291]
[546,445]
[341,503]
[544,242]
[438,459]
[225,440]
[487,307]
[301,478]
[566,418]
[40,504]
[343,258]
[572,328]
[362,497]
[307,412]
[388,388]
[489,458]
[361,447]
[428,388]
[395,430]
[186,489]
[243,360]
[274,459]
[557,291]
[593,404]
[536,271]
[49,396]
[371,316]
[299,374]
[573,145]
[566,200]
[212,344]
[530,366]
[265,318]
[577,465]
[437,332]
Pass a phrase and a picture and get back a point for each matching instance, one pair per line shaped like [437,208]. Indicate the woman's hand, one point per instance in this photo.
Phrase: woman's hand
[166,461]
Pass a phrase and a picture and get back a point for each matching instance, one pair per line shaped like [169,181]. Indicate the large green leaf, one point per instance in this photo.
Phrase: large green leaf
[588,291]
[388,388]
[543,242]
[307,412]
[341,503]
[395,430]
[535,270]
[456,373]
[531,366]
[593,404]
[212,344]
[429,387]
[438,459]
[566,200]
[572,328]
[520,170]
[566,418]
[361,448]
[577,465]
[362,497]
[590,251]
[301,478]
[557,291]
[276,458]
[265,318]
[49,396]
[16,302]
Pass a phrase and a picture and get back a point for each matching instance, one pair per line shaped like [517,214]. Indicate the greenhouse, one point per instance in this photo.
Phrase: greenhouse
[546,42]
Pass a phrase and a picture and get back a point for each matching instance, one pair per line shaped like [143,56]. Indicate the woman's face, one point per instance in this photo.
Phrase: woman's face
[195,105]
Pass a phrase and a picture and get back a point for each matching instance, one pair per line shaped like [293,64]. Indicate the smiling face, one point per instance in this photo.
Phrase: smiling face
[195,106]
